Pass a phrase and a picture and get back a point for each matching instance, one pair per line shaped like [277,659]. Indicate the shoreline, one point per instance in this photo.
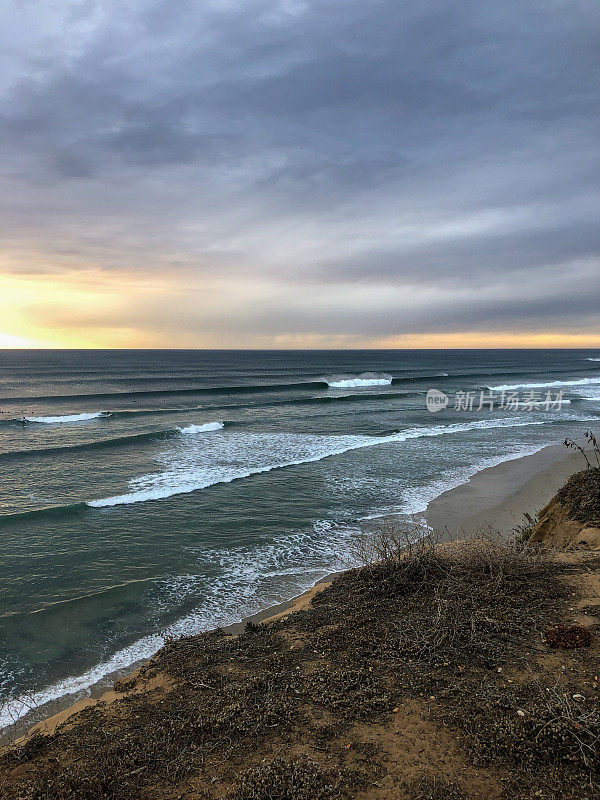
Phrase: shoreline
[500,494]
[45,718]
[496,498]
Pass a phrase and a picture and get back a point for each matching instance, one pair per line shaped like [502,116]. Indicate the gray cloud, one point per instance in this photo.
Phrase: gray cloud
[449,144]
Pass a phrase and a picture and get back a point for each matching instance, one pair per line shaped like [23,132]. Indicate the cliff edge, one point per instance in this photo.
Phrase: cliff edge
[572,517]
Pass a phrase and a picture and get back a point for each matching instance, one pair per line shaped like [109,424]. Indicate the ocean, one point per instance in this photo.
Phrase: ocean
[147,494]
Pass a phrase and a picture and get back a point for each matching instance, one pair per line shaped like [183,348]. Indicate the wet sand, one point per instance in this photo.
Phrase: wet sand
[496,498]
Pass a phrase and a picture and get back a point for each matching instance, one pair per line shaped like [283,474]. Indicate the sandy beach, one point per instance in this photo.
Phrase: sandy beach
[496,498]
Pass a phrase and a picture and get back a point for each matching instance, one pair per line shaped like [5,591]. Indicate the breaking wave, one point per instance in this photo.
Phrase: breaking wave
[364,380]
[117,441]
[549,384]
[208,426]
[67,418]
[189,469]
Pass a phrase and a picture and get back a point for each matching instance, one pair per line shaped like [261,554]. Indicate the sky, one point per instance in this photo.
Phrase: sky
[282,173]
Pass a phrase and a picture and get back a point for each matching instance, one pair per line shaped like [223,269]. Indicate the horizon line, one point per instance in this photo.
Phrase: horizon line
[281,349]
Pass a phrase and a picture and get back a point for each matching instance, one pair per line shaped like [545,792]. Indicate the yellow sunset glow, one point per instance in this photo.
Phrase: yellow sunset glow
[90,308]
[491,339]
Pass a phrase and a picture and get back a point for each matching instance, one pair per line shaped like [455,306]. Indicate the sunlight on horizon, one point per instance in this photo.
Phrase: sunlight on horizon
[93,309]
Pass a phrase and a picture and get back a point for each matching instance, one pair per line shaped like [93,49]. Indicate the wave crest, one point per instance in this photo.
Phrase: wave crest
[189,470]
[67,418]
[507,387]
[207,426]
[362,381]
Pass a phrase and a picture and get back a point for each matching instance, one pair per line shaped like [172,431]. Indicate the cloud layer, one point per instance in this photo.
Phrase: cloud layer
[279,171]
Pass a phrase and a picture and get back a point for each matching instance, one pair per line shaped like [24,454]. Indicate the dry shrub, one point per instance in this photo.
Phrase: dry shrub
[299,779]
[567,727]
[434,789]
[535,727]
[464,601]
[581,496]
[568,636]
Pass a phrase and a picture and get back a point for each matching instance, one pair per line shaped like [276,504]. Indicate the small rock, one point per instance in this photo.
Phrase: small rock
[521,713]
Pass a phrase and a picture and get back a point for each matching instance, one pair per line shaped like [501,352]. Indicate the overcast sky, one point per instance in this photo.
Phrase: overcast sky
[285,173]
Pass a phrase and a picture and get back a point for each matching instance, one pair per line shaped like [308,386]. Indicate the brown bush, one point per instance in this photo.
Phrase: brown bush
[568,636]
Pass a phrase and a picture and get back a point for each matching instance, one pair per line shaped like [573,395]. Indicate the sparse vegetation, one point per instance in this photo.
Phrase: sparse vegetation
[591,454]
[299,779]
[581,496]
[522,532]
[299,708]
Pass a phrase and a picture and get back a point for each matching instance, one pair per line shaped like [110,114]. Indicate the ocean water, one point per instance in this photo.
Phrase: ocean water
[152,493]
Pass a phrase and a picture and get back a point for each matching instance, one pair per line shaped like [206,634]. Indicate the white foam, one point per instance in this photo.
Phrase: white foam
[507,387]
[358,382]
[200,463]
[416,499]
[66,418]
[592,393]
[12,710]
[592,359]
[207,426]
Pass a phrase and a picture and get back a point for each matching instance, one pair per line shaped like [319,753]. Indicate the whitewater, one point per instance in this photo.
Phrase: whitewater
[187,477]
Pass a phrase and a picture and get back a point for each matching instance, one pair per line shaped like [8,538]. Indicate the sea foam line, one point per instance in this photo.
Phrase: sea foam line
[173,482]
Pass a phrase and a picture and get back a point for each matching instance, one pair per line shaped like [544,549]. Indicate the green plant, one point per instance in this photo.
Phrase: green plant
[523,530]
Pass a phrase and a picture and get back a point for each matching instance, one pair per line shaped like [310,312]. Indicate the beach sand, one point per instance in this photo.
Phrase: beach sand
[496,498]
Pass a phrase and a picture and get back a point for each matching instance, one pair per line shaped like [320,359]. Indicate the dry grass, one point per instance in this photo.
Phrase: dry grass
[427,620]
[581,495]
[299,779]
[433,789]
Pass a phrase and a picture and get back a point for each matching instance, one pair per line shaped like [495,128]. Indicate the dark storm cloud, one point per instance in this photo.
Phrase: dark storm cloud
[382,144]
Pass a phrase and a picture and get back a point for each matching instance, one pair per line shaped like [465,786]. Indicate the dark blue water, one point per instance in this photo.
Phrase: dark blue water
[173,491]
